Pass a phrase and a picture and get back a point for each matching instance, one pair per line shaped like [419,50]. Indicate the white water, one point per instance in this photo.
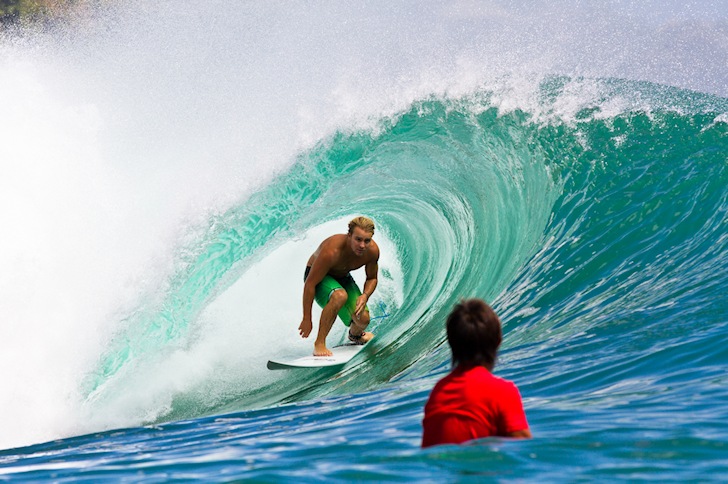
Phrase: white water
[253,320]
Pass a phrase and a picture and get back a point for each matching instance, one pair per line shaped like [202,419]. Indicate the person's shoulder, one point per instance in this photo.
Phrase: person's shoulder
[483,382]
[482,373]
[330,248]
[334,242]
[504,385]
[374,250]
[442,383]
[334,239]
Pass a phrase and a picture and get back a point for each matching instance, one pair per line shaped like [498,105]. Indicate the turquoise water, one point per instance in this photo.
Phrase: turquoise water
[592,216]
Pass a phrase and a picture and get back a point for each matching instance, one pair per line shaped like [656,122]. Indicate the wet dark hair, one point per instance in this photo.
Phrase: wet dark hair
[474,334]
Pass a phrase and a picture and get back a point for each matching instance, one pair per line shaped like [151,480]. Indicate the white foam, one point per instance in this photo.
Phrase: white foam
[254,320]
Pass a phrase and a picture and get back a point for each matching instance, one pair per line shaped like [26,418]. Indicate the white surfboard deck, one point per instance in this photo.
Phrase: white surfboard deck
[342,354]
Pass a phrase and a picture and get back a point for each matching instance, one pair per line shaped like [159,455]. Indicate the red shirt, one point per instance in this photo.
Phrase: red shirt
[471,404]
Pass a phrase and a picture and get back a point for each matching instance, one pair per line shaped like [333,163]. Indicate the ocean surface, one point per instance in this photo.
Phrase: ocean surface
[165,172]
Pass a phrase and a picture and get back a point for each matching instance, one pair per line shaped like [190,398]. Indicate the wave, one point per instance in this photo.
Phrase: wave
[590,225]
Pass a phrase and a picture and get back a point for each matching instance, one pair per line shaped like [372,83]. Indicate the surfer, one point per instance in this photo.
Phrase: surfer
[328,280]
[472,403]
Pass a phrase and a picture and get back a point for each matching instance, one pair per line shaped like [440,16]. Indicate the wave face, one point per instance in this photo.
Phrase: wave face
[460,196]
[568,228]
[589,210]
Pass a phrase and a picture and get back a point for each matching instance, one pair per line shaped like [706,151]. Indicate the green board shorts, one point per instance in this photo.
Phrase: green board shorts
[330,284]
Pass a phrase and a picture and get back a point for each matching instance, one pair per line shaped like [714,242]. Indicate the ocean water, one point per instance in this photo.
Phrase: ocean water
[167,170]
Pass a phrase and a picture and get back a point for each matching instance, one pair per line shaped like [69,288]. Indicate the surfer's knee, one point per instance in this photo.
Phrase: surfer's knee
[338,298]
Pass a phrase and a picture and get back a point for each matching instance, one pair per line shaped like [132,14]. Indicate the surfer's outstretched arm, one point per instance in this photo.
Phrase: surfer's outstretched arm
[304,329]
[319,268]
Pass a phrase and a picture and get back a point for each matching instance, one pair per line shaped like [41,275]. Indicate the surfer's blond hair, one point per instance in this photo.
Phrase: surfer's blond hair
[366,224]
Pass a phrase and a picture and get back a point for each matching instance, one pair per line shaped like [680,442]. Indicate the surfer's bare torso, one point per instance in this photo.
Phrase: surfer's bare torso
[340,259]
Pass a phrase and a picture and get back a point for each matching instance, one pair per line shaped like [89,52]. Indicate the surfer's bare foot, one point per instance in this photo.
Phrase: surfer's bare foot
[321,350]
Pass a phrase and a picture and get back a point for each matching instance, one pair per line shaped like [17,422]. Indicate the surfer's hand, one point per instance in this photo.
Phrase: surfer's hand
[361,303]
[304,329]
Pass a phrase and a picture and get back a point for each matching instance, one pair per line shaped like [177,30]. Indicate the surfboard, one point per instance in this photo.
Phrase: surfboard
[342,355]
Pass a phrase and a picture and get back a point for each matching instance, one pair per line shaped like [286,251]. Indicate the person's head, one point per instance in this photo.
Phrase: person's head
[474,334]
[366,224]
[361,231]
